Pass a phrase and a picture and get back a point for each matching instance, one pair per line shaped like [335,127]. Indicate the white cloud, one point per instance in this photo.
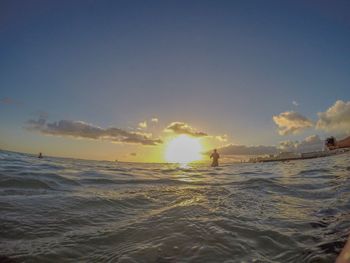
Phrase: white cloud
[184,128]
[295,103]
[336,118]
[143,124]
[155,120]
[221,138]
[79,129]
[291,122]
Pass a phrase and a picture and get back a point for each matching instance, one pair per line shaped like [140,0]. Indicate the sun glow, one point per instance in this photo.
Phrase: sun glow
[183,149]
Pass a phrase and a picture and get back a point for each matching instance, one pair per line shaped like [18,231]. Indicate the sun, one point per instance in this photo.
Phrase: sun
[183,149]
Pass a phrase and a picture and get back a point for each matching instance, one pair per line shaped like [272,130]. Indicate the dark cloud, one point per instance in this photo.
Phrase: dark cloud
[79,129]
[184,128]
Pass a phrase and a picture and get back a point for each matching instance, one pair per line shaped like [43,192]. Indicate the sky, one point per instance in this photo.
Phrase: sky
[118,79]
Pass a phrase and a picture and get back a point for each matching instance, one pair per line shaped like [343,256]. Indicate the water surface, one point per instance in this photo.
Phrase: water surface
[67,210]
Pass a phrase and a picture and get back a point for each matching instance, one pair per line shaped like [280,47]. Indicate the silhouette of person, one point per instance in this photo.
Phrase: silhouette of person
[40,155]
[215,156]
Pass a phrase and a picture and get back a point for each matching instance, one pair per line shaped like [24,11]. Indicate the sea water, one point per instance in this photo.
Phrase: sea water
[69,210]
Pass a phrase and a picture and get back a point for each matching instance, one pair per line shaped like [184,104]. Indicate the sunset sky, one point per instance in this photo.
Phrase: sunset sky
[120,79]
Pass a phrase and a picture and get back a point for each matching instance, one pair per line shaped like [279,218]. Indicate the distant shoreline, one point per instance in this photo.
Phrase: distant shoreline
[305,157]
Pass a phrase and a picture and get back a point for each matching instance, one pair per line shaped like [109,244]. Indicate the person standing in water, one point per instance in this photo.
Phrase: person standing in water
[40,155]
[215,155]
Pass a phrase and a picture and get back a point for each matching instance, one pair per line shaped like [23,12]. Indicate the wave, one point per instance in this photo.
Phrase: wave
[320,171]
[96,211]
[24,183]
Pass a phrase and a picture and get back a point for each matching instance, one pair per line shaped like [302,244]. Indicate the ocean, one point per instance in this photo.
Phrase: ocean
[70,210]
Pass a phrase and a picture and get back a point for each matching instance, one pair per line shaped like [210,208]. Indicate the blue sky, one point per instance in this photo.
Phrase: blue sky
[224,67]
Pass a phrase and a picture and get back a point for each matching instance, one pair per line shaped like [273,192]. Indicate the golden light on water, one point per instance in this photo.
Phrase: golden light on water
[183,149]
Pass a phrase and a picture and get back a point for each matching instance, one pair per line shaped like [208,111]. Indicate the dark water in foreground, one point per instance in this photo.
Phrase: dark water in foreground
[65,210]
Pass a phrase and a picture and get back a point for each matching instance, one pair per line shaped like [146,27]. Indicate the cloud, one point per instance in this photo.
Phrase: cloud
[287,146]
[291,122]
[309,144]
[143,124]
[221,138]
[79,129]
[36,124]
[184,128]
[336,118]
[295,103]
[155,120]
[233,149]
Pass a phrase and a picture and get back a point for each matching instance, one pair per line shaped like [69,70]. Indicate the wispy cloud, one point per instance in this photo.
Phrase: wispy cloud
[184,128]
[295,103]
[291,122]
[221,138]
[9,101]
[155,120]
[80,129]
[336,118]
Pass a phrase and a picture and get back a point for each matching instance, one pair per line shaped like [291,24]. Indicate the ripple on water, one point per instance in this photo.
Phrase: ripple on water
[87,211]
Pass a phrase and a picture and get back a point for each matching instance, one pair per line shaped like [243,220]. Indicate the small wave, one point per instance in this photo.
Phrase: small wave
[50,167]
[314,172]
[104,181]
[98,181]
[259,182]
[56,178]
[24,183]
[255,173]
